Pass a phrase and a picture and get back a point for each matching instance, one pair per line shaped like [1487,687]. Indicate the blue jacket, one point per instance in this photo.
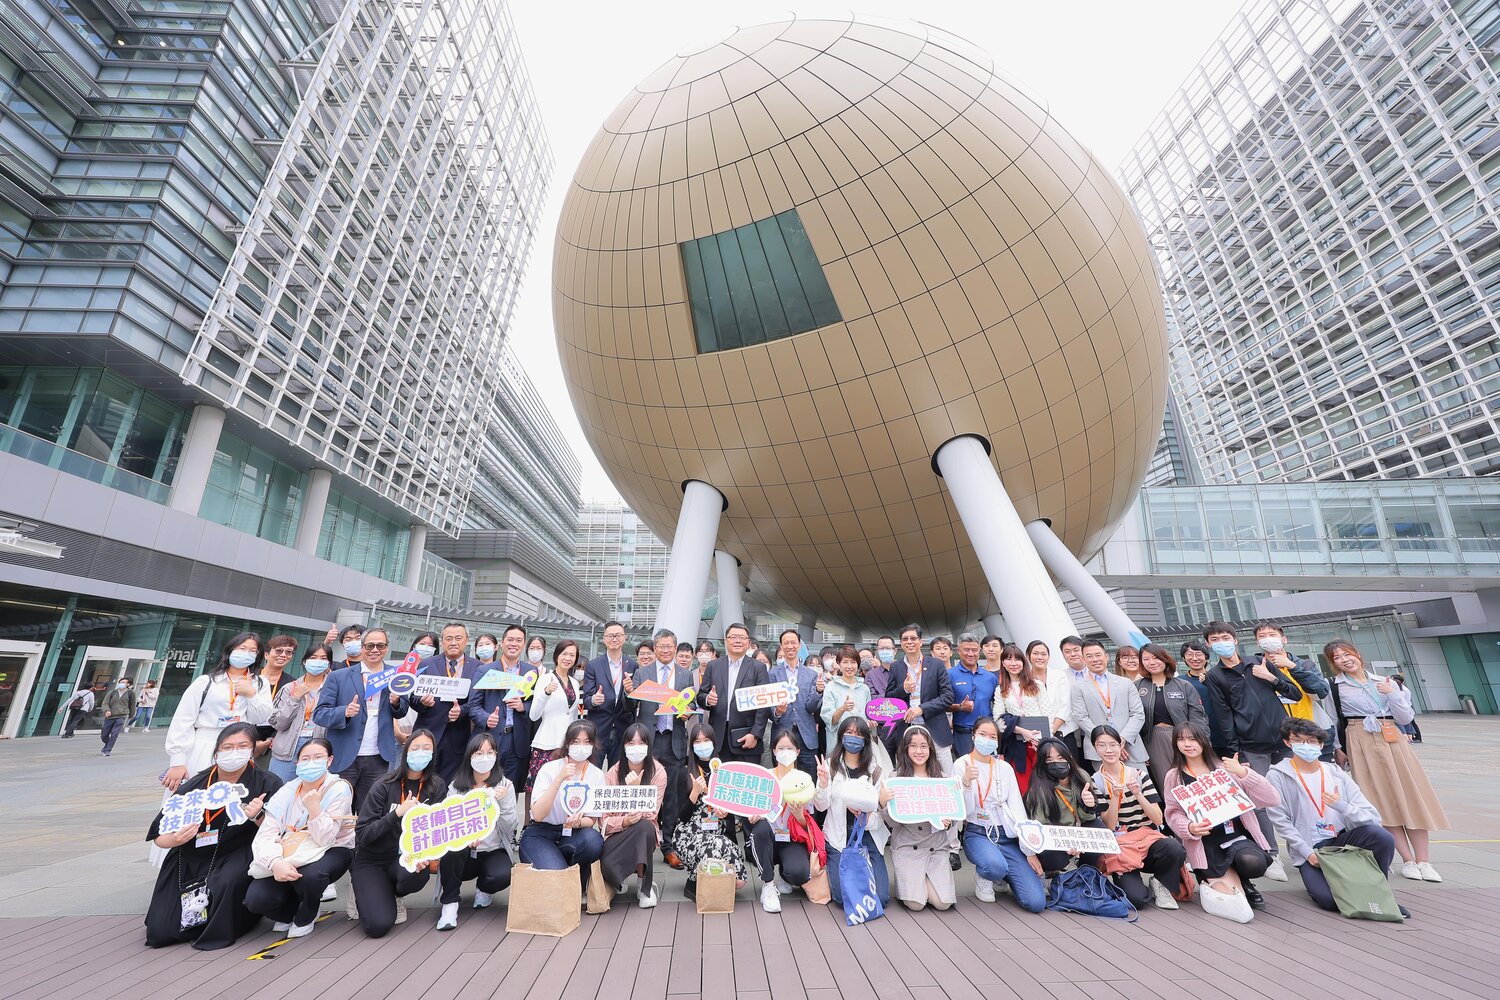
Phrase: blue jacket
[482,703]
[618,710]
[801,715]
[344,733]
[436,717]
[936,694]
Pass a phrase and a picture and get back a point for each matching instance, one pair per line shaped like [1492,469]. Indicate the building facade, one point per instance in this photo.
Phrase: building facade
[257,266]
[1323,196]
[622,561]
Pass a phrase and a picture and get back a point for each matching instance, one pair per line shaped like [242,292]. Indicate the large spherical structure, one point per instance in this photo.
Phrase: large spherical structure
[797,262]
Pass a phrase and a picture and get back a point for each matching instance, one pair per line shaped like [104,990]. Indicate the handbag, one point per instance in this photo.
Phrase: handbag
[1360,889]
[542,902]
[816,886]
[601,896]
[1133,847]
[1229,905]
[195,897]
[1086,890]
[857,879]
[714,881]
[297,846]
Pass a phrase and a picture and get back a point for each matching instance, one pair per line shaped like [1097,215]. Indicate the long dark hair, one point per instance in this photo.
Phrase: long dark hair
[463,781]
[1023,680]
[1210,757]
[904,766]
[648,766]
[695,732]
[866,766]
[432,640]
[1041,796]
[576,727]
[222,667]
[402,768]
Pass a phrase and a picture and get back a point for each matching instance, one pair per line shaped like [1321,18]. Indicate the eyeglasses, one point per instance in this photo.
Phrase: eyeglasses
[377,645]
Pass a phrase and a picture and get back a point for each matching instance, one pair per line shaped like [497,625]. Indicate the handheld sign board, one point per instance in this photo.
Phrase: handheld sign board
[1214,798]
[179,812]
[773,695]
[429,832]
[378,681]
[926,800]
[1083,839]
[680,704]
[886,710]
[744,789]
[623,799]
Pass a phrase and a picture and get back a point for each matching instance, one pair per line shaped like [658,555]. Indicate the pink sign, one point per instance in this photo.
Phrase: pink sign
[744,789]
[886,710]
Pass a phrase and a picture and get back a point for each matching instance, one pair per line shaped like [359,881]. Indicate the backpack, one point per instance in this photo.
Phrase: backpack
[1086,890]
[77,703]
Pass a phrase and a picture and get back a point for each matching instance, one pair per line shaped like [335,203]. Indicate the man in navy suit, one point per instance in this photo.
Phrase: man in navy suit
[448,720]
[669,744]
[360,724]
[607,683]
[922,682]
[801,716]
[505,714]
[737,734]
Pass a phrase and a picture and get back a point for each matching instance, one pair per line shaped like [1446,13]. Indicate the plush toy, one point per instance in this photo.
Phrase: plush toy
[796,789]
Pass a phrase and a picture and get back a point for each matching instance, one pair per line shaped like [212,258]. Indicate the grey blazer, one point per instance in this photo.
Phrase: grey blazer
[1124,712]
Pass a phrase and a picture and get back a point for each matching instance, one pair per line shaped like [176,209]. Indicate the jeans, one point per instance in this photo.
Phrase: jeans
[1001,860]
[543,846]
[1375,839]
[109,731]
[877,866]
[143,716]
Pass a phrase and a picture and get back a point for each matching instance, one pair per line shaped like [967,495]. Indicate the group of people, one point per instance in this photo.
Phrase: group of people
[330,761]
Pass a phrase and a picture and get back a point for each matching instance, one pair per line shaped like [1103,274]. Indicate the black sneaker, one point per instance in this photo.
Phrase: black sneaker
[954,861]
[1254,898]
[1405,913]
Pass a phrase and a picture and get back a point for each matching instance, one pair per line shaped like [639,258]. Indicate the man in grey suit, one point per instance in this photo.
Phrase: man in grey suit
[669,743]
[1106,699]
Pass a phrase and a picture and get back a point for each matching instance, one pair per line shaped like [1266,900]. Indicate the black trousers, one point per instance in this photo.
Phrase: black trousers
[490,871]
[627,851]
[662,751]
[297,902]
[109,731]
[1164,862]
[792,858]
[362,775]
[450,749]
[376,885]
[74,718]
[1372,838]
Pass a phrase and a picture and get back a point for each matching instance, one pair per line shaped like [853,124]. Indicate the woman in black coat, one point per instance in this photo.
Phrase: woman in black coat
[200,890]
[378,878]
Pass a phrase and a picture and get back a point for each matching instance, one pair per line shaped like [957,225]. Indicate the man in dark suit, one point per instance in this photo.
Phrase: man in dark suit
[448,720]
[504,714]
[669,744]
[360,725]
[923,683]
[737,734]
[801,716]
[607,683]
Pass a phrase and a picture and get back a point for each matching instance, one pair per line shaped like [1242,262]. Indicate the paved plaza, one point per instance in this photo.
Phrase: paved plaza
[74,882]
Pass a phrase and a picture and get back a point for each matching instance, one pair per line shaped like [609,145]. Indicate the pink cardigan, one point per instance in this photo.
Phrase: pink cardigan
[615,822]
[1260,791]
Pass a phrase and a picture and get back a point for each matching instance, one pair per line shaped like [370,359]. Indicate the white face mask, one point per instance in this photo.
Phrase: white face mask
[534,655]
[232,760]
[485,652]
[635,753]
[786,758]
[424,650]
[482,763]
[705,657]
[580,751]
[1271,644]
[828,662]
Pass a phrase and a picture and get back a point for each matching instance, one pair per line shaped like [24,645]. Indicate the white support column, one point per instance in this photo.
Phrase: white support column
[1011,566]
[314,505]
[196,459]
[416,545]
[731,591]
[994,624]
[681,607]
[1072,574]
[805,628]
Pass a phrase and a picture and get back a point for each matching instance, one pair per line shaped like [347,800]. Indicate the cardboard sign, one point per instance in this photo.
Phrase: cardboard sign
[773,695]
[504,680]
[886,709]
[410,664]
[926,800]
[429,832]
[1214,798]
[653,691]
[1084,839]
[623,799]
[182,811]
[439,686]
[680,703]
[379,680]
[744,789]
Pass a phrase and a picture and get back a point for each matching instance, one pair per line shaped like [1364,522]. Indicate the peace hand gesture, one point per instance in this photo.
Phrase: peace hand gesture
[823,771]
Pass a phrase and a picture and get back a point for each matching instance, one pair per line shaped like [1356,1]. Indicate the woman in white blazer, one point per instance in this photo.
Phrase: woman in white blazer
[554,707]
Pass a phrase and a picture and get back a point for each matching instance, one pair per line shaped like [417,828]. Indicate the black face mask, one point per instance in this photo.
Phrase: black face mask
[1059,769]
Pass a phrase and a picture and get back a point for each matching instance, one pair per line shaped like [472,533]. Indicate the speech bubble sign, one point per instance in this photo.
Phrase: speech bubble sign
[441,687]
[181,811]
[744,789]
[773,695]
[378,681]
[886,709]
[1214,798]
[926,800]
[623,799]
[653,691]
[1083,839]
[430,831]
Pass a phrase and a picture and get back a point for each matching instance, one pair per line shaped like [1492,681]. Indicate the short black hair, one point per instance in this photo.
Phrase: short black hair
[1090,643]
[663,633]
[792,631]
[455,625]
[684,647]
[1270,624]
[644,645]
[1215,627]
[611,623]
[1305,728]
[1070,640]
[913,627]
[736,625]
[512,627]
[1193,644]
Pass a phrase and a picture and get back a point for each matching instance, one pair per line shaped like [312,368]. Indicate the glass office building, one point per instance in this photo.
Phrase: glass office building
[1323,195]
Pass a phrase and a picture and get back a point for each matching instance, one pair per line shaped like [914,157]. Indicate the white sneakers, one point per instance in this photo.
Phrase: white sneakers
[770,899]
[482,899]
[400,910]
[1411,870]
[448,919]
[280,926]
[783,886]
[647,896]
[984,890]
[1161,897]
[1276,871]
[352,909]
[301,930]
[329,894]
[1429,873]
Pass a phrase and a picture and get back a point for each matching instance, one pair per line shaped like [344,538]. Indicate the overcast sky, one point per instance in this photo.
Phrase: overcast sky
[1105,68]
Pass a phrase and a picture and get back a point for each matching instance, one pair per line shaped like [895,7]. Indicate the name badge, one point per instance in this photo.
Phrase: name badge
[1324,829]
[372,704]
[207,838]
[783,837]
[225,720]
[709,825]
[307,730]
[1174,694]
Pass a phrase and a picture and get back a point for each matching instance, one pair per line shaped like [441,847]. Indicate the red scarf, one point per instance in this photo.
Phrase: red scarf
[808,834]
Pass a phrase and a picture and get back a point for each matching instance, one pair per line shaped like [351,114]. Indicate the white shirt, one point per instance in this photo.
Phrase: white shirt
[284,811]
[996,781]
[552,712]
[549,776]
[207,706]
[369,743]
[734,673]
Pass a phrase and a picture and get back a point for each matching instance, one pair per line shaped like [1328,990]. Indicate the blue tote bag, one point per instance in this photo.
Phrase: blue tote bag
[857,879]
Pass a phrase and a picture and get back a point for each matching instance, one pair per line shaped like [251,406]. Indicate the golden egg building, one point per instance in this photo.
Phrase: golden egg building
[838,301]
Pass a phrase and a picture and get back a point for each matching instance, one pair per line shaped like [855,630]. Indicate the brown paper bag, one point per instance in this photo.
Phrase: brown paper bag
[816,886]
[601,896]
[542,902]
[716,892]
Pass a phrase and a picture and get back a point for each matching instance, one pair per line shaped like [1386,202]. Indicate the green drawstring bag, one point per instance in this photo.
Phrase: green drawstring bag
[1359,887]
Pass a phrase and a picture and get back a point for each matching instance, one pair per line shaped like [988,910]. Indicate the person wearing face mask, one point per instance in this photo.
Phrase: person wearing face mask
[701,829]
[447,718]
[230,692]
[1061,794]
[800,717]
[919,852]
[994,808]
[1370,712]
[844,695]
[559,836]
[631,839]
[489,862]
[536,651]
[484,651]
[1322,806]
[379,879]
[878,677]
[349,645]
[291,716]
[305,843]
[705,654]
[607,683]
[118,707]
[1271,639]
[200,891]
[358,718]
[772,841]
[853,785]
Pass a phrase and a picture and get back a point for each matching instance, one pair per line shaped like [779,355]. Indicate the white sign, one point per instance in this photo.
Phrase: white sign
[441,687]
[774,695]
[1214,798]
[1083,839]
[622,799]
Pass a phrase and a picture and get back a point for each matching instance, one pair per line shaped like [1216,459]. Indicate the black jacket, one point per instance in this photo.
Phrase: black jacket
[377,835]
[1247,709]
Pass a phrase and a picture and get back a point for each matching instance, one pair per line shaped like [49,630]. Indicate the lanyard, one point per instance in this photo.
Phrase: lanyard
[420,782]
[297,801]
[1322,790]
[1064,800]
[1104,695]
[210,815]
[1110,784]
[984,792]
[229,681]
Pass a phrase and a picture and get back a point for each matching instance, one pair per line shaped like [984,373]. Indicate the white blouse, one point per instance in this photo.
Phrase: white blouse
[334,826]
[549,775]
[552,712]
[996,782]
[207,706]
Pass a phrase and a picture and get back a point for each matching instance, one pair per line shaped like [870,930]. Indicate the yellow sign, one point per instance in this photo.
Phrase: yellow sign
[457,822]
